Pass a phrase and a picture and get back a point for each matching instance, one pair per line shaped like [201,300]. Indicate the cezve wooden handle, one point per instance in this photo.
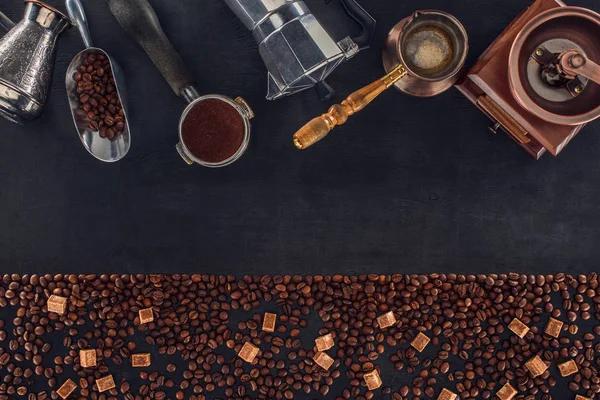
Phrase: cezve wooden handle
[338,114]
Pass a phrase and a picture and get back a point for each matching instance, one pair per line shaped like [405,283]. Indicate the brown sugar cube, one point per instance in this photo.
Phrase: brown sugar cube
[323,360]
[66,389]
[420,342]
[146,315]
[519,328]
[140,360]
[386,320]
[105,383]
[325,342]
[554,327]
[248,352]
[568,368]
[87,358]
[269,322]
[579,397]
[507,392]
[536,366]
[373,379]
[57,304]
[447,395]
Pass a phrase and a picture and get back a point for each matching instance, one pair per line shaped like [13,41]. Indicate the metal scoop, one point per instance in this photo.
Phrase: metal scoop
[102,148]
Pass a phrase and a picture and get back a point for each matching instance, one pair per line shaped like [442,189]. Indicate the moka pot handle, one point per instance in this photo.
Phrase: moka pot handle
[364,19]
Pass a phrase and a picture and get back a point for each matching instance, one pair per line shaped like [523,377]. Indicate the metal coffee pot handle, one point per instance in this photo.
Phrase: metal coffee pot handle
[139,20]
[338,114]
[5,22]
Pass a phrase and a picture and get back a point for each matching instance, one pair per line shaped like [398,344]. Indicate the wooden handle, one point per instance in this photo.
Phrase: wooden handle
[338,114]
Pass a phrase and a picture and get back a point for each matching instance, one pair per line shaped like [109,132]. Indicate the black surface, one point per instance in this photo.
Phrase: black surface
[408,185]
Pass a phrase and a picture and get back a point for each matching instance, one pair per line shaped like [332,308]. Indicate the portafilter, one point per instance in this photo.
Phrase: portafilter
[139,20]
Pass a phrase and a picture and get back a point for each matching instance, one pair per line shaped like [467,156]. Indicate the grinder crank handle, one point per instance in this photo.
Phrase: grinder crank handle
[364,19]
[338,114]
[139,20]
[576,64]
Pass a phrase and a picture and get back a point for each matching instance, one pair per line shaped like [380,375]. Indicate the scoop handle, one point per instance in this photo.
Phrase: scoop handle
[139,20]
[338,114]
[78,17]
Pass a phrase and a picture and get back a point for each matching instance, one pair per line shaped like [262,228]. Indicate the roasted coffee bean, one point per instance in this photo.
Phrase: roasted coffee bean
[96,89]
[466,319]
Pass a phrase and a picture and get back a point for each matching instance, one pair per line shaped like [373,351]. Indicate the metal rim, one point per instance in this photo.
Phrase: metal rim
[54,10]
[516,85]
[245,141]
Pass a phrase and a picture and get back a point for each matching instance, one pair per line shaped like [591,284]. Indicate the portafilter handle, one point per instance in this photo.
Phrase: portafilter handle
[139,20]
[5,22]
[573,63]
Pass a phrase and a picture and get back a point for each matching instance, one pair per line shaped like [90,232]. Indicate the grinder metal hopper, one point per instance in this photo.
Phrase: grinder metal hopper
[297,50]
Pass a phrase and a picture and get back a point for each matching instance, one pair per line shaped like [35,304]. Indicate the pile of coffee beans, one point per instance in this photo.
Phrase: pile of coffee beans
[448,335]
[98,97]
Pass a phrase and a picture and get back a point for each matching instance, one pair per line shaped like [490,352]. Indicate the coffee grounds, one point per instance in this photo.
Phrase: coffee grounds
[213,130]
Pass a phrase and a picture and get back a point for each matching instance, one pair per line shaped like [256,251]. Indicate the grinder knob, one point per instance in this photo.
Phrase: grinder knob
[573,63]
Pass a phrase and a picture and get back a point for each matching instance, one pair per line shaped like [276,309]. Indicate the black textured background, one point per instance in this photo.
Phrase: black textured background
[408,185]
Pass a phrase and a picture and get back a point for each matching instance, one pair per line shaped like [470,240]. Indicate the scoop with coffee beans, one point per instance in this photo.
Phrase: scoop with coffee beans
[98,96]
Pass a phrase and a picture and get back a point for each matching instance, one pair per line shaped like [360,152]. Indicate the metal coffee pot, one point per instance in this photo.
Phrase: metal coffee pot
[297,50]
[27,60]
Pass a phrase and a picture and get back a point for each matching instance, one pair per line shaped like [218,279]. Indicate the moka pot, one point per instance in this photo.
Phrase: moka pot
[298,51]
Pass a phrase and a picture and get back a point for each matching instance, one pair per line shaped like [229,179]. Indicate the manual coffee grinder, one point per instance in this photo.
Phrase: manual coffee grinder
[539,81]
[297,50]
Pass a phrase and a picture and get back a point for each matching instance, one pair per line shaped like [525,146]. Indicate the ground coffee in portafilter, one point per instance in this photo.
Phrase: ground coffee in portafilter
[213,130]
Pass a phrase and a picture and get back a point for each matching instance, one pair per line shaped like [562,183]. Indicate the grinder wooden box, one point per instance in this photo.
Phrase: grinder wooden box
[487,85]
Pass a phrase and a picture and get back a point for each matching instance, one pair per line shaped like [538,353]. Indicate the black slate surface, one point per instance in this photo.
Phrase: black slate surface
[408,185]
